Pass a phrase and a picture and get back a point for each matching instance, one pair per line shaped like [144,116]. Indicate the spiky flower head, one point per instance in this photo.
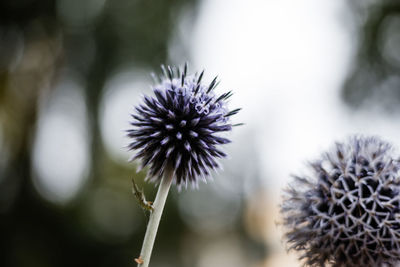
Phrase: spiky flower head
[179,127]
[347,211]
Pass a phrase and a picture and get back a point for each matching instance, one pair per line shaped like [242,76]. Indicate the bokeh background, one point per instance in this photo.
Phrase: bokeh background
[305,72]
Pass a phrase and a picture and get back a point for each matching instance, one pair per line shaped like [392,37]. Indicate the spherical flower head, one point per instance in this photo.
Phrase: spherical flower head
[347,211]
[179,127]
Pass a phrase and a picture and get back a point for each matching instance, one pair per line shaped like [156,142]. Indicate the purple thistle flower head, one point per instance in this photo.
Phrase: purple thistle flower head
[347,211]
[179,127]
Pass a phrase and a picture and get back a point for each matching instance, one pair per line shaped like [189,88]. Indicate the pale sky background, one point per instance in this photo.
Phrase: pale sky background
[286,61]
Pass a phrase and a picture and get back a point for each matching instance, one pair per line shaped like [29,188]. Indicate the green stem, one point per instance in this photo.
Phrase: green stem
[155,217]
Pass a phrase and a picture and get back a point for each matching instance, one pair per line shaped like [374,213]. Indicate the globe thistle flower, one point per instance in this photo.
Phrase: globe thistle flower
[179,127]
[347,212]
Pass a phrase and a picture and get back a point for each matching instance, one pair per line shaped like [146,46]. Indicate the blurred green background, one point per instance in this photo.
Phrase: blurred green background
[65,195]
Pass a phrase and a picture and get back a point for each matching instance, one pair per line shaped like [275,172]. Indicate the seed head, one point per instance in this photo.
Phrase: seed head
[347,211]
[179,127]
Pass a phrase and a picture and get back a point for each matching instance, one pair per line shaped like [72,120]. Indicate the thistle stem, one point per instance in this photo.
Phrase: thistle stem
[155,217]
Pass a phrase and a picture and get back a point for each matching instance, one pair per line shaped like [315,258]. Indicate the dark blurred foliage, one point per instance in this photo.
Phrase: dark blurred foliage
[39,38]
[375,75]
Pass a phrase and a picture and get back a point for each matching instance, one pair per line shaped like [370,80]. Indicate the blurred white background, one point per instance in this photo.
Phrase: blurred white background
[286,62]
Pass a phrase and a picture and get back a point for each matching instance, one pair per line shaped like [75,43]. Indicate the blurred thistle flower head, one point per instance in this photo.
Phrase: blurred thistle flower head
[179,127]
[347,212]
